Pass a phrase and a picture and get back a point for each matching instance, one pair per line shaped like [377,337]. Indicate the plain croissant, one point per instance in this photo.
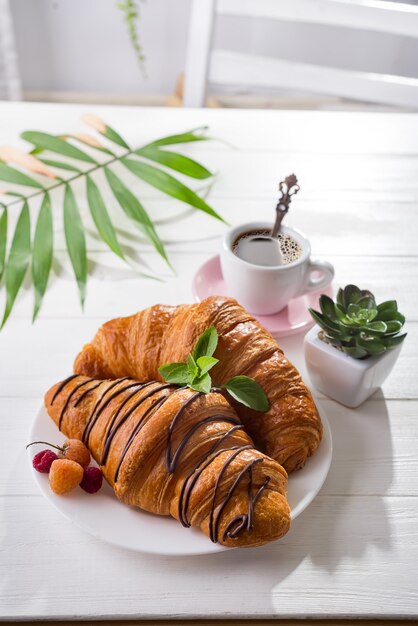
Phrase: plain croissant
[176,452]
[138,345]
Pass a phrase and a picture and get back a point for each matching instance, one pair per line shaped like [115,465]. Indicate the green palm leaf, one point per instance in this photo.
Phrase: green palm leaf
[169,185]
[111,134]
[175,161]
[18,260]
[42,252]
[60,165]
[45,141]
[15,258]
[94,147]
[76,240]
[101,217]
[11,175]
[134,209]
[187,137]
[15,194]
[3,239]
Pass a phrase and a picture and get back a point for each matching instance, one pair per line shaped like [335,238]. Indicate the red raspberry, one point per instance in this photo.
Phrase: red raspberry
[43,460]
[92,479]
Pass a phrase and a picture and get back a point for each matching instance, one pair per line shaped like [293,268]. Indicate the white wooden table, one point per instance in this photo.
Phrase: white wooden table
[354,552]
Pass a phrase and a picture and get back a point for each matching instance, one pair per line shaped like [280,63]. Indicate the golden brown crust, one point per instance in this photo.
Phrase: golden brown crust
[176,452]
[137,345]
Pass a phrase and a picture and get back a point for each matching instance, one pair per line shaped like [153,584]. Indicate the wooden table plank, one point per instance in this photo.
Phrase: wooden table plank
[250,174]
[336,226]
[350,552]
[310,132]
[233,622]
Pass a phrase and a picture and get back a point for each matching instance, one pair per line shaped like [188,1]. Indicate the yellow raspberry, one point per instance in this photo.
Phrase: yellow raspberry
[75,450]
[64,476]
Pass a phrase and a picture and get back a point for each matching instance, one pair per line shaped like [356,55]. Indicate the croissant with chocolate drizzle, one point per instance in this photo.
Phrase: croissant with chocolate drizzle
[174,451]
[138,345]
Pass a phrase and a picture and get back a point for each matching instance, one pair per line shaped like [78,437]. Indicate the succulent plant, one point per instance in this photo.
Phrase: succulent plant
[357,325]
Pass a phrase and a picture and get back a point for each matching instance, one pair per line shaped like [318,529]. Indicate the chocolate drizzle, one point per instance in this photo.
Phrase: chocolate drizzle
[245,520]
[86,393]
[168,461]
[70,395]
[149,412]
[111,429]
[213,523]
[239,523]
[192,478]
[62,386]
[100,406]
[188,435]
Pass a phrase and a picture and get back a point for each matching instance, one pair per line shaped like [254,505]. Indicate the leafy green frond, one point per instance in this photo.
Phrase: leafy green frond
[135,211]
[76,241]
[42,252]
[18,260]
[188,137]
[14,265]
[169,185]
[3,239]
[101,217]
[45,141]
[175,161]
[11,175]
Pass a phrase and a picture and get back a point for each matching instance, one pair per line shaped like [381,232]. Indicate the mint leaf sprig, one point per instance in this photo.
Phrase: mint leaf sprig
[194,373]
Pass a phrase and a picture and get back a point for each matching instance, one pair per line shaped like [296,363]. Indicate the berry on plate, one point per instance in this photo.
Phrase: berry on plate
[43,460]
[92,479]
[64,476]
[75,450]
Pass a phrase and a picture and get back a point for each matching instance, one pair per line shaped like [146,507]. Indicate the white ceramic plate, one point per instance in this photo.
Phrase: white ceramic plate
[103,516]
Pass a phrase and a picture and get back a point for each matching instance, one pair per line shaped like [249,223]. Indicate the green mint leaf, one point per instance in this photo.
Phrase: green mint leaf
[206,344]
[205,363]
[177,373]
[202,384]
[193,370]
[248,392]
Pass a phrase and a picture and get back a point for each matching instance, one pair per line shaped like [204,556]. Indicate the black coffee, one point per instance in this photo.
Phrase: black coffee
[258,247]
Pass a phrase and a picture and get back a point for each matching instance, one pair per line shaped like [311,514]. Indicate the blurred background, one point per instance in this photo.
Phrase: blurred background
[229,53]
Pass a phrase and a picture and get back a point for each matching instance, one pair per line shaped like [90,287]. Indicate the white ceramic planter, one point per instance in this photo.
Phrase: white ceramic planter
[342,378]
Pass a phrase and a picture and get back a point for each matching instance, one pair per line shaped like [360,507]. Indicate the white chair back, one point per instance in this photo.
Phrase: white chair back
[205,66]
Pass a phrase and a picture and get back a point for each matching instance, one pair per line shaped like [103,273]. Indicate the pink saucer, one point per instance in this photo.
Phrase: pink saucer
[295,318]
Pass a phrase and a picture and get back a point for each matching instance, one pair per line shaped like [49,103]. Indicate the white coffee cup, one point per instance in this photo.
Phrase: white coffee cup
[265,290]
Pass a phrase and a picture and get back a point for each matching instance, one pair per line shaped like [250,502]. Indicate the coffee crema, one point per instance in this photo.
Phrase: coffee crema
[260,248]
